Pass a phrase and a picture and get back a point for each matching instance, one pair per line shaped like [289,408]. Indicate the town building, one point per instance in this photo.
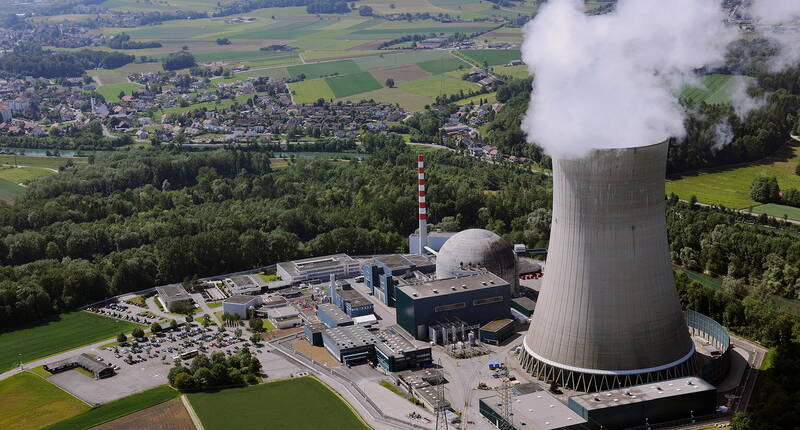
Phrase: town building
[318,268]
[170,295]
[244,285]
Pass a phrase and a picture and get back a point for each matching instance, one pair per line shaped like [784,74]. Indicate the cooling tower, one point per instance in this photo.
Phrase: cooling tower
[608,313]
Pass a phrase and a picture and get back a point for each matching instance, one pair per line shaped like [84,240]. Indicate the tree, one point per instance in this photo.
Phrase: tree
[765,189]
[390,83]
[797,169]
[179,60]
[237,333]
[189,319]
[256,325]
[155,328]
[365,11]
[121,338]
[173,324]
[255,338]
[137,333]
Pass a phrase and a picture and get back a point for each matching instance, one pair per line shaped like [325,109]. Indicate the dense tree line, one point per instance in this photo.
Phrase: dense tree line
[39,63]
[216,371]
[141,218]
[236,7]
[123,41]
[179,60]
[86,139]
[327,6]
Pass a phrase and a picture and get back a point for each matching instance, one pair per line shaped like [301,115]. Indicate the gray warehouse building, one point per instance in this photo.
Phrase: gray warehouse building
[474,299]
[318,268]
[170,295]
[538,410]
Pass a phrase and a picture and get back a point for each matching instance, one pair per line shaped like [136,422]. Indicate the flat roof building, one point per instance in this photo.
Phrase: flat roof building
[474,299]
[351,344]
[318,268]
[170,295]
[349,300]
[240,305]
[380,274]
[524,305]
[397,352]
[538,410]
[86,362]
[284,317]
[244,285]
[497,331]
[332,316]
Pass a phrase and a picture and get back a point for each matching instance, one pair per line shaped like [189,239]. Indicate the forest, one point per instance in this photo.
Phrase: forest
[39,63]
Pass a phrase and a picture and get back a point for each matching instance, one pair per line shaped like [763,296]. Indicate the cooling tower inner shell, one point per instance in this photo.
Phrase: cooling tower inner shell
[608,313]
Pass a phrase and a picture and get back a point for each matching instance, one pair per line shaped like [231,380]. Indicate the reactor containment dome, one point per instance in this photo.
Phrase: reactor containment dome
[477,249]
[608,313]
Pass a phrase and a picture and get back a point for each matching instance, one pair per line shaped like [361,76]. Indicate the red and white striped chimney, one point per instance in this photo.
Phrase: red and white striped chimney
[423,210]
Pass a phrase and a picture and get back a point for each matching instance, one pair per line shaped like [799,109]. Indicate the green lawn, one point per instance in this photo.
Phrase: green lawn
[492,57]
[315,70]
[32,161]
[310,90]
[718,89]
[356,83]
[9,191]
[778,211]
[730,186]
[288,407]
[111,92]
[47,338]
[30,402]
[24,174]
[117,409]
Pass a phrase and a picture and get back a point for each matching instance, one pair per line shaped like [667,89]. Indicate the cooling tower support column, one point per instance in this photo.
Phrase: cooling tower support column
[608,313]
[423,209]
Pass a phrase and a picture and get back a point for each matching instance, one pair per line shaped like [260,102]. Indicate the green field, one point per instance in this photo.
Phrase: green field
[408,100]
[288,406]
[492,57]
[516,72]
[111,92]
[34,161]
[718,89]
[438,85]
[443,65]
[315,70]
[310,90]
[778,211]
[356,83]
[66,332]
[730,186]
[20,175]
[116,409]
[30,402]
[10,191]
[374,62]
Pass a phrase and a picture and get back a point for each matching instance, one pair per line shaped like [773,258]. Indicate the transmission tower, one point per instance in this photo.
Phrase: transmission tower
[440,405]
[505,406]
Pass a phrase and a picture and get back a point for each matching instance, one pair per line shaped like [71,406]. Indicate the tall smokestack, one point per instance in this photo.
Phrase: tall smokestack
[608,314]
[423,210]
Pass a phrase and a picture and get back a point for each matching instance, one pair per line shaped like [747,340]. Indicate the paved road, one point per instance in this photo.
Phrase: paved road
[752,373]
[195,419]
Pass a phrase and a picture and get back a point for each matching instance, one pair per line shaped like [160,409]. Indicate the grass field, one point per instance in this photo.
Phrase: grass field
[10,191]
[437,85]
[288,407]
[778,211]
[408,100]
[517,72]
[33,161]
[355,83]
[492,57]
[19,175]
[309,91]
[443,65]
[111,92]
[117,408]
[68,331]
[718,89]
[30,402]
[730,186]
[315,70]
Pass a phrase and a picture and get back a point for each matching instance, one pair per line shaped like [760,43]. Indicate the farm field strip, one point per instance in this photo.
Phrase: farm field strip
[492,57]
[311,90]
[352,84]
[779,211]
[69,331]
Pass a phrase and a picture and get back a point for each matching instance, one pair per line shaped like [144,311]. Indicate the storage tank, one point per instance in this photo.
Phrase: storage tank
[608,313]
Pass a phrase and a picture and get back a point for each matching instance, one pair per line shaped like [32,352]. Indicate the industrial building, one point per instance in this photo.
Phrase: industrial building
[284,317]
[245,285]
[313,333]
[240,305]
[170,295]
[381,274]
[524,305]
[318,268]
[474,299]
[497,331]
[436,240]
[608,313]
[86,362]
[538,410]
[474,250]
[657,402]
[332,316]
[396,352]
[349,300]
[350,345]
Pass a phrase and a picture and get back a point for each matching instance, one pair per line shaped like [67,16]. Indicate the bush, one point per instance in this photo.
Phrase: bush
[765,189]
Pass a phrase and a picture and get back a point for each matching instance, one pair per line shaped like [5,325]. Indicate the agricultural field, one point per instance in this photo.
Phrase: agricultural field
[65,332]
[491,57]
[355,83]
[288,407]
[400,74]
[408,100]
[137,410]
[120,75]
[34,161]
[311,90]
[516,72]
[30,402]
[730,186]
[111,92]
[718,89]
[22,175]
[316,70]
[438,85]
[778,211]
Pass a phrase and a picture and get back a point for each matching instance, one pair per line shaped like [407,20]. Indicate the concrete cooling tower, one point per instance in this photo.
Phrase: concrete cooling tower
[608,313]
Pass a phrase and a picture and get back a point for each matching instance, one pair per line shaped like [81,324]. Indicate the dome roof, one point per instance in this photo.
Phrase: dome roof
[474,249]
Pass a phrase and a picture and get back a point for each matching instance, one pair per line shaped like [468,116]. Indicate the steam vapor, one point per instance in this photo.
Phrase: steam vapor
[610,81]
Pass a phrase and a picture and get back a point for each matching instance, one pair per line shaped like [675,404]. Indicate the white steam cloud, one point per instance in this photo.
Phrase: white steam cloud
[611,81]
[766,15]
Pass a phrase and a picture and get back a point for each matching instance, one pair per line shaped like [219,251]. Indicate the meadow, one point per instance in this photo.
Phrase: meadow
[10,191]
[34,161]
[778,211]
[30,402]
[65,332]
[289,407]
[715,89]
[355,83]
[491,57]
[111,92]
[116,409]
[19,175]
[311,90]
[730,186]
